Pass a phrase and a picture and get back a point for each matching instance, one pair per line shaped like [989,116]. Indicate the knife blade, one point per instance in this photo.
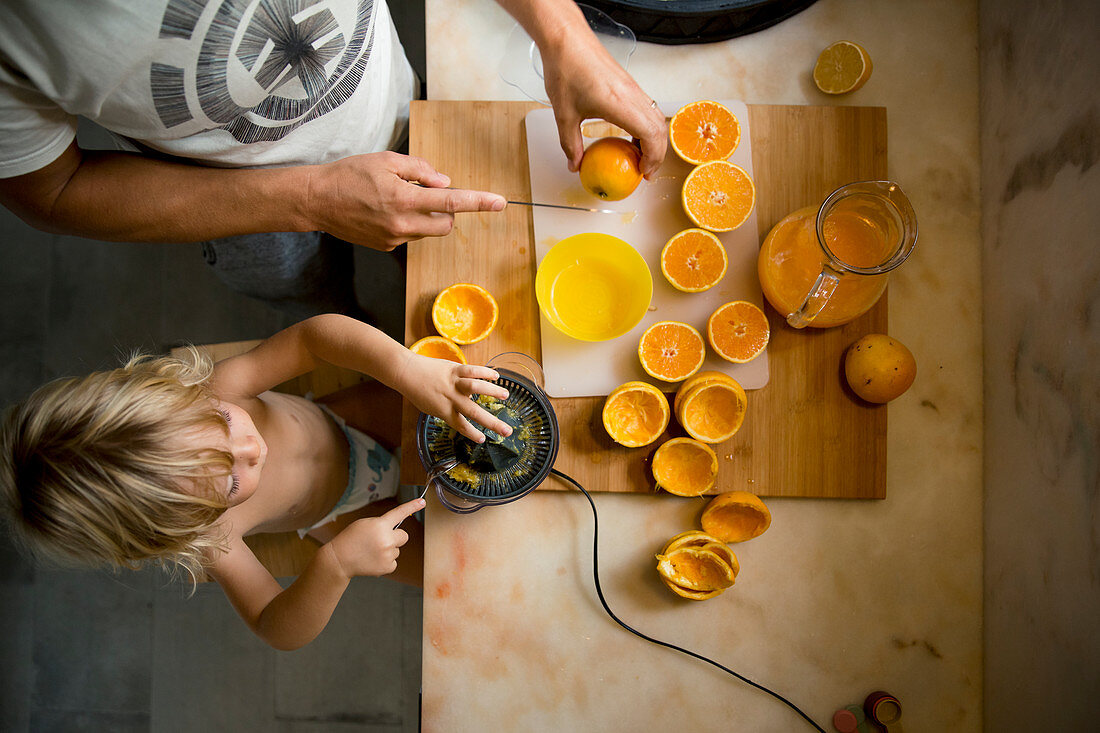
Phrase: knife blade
[563,206]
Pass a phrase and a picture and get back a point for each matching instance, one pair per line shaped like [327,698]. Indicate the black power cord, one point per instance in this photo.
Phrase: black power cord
[599,592]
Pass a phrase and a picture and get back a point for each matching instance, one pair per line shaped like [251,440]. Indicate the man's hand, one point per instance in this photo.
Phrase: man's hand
[583,81]
[382,200]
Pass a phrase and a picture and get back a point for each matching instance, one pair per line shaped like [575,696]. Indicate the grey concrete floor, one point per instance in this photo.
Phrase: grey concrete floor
[85,650]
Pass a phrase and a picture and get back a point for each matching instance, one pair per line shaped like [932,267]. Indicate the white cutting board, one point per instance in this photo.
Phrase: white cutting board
[648,218]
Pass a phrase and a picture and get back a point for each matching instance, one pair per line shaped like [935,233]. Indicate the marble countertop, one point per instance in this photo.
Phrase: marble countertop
[838,598]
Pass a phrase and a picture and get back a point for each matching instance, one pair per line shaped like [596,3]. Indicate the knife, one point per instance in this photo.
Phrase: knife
[563,206]
[551,206]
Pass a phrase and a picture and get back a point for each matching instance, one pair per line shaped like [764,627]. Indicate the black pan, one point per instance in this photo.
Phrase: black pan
[697,21]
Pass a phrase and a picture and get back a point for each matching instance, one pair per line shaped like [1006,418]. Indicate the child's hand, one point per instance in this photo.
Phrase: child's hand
[370,546]
[443,388]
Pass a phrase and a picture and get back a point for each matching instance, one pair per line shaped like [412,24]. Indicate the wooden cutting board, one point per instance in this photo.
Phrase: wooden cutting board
[805,433]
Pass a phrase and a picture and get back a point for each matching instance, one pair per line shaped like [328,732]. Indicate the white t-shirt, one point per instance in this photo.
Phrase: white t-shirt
[230,83]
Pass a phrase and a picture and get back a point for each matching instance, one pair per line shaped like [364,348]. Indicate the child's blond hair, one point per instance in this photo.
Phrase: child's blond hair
[94,469]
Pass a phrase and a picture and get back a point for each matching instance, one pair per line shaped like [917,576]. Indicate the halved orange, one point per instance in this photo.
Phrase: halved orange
[671,351]
[438,347]
[738,331]
[714,411]
[694,260]
[718,196]
[703,131]
[842,67]
[736,516]
[694,381]
[635,414]
[464,313]
[685,467]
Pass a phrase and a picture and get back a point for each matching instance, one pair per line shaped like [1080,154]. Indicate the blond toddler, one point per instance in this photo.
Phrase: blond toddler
[176,461]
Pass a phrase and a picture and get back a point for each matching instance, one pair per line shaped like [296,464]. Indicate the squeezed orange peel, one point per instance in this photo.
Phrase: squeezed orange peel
[713,410]
[464,313]
[699,378]
[635,414]
[697,566]
[736,516]
[685,467]
[696,569]
[439,347]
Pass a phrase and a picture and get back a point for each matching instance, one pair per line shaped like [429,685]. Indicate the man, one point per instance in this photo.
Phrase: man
[246,118]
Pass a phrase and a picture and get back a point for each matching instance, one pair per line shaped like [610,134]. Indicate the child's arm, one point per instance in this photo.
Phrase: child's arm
[291,618]
[434,386]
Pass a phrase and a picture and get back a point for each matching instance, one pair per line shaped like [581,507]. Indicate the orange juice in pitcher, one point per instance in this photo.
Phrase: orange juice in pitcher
[824,266]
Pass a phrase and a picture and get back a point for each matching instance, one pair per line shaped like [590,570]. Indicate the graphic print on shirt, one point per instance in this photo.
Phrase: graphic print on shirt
[261,69]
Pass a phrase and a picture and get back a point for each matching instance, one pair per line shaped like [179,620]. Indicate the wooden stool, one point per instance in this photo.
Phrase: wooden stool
[285,554]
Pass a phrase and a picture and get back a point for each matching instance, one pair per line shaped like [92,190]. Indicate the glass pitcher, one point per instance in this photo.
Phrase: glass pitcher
[825,266]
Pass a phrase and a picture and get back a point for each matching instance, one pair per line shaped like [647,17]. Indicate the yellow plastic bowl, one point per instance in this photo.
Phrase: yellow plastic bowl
[593,287]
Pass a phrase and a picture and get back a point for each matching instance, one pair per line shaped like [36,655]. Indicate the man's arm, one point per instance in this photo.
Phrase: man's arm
[365,199]
[583,81]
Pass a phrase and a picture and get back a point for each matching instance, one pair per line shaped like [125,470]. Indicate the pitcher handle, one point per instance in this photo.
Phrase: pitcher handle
[815,300]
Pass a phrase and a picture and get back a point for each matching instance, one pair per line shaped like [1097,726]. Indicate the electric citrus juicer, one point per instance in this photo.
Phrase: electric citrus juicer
[468,476]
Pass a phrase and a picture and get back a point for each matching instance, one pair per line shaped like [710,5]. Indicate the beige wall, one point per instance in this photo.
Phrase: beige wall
[1040,142]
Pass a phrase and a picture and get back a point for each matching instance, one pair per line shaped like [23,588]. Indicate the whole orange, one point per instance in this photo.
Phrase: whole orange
[879,368]
[611,168]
